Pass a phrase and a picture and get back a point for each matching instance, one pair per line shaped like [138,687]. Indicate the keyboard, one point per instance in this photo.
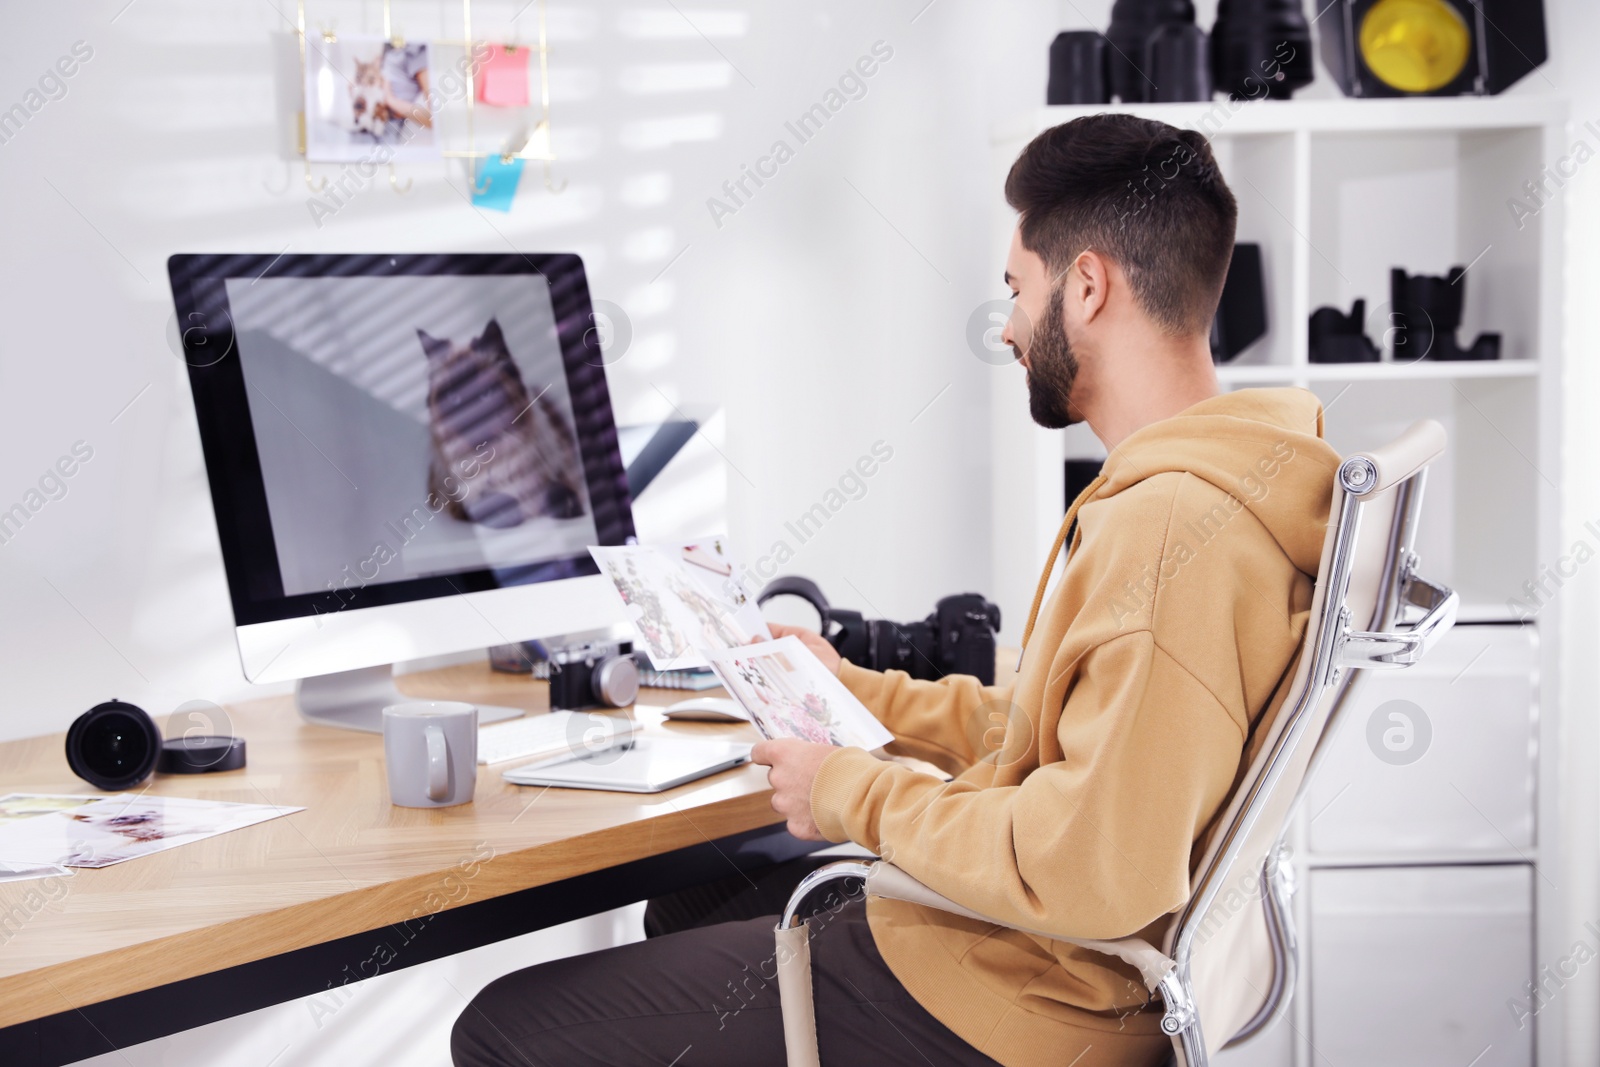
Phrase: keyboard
[552,737]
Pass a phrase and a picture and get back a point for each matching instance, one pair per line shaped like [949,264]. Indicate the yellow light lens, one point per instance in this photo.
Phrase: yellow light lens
[1415,46]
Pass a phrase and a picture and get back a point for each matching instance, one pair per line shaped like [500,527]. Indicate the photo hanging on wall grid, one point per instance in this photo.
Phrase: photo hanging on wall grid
[365,95]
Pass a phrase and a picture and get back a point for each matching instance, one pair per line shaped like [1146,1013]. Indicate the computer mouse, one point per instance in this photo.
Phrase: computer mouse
[707,709]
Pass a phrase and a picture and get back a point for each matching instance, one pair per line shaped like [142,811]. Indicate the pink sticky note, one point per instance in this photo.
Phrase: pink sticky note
[503,77]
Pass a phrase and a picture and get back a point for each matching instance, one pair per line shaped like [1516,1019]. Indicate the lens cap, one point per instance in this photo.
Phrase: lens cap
[113,746]
[201,755]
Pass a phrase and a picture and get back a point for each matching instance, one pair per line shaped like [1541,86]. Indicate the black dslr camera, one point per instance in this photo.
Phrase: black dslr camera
[958,638]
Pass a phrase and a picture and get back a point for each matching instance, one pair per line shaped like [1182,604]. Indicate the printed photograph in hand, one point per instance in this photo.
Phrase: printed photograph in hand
[717,628]
[789,693]
[642,598]
[781,704]
[683,599]
[722,607]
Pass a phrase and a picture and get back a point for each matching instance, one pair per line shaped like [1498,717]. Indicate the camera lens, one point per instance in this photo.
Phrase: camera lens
[1261,48]
[1132,23]
[113,745]
[616,681]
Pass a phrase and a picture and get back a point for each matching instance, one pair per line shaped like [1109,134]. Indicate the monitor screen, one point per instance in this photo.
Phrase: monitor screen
[380,429]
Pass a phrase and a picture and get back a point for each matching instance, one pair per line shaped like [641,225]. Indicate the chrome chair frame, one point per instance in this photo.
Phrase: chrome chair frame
[1336,650]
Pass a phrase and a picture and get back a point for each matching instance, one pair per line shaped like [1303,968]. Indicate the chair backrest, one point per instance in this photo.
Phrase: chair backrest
[1232,944]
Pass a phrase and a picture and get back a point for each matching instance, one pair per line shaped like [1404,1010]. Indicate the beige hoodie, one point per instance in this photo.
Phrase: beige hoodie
[1085,788]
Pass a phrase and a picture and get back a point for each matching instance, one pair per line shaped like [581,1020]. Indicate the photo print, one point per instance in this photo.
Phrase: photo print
[366,93]
[642,581]
[115,829]
[789,693]
[15,806]
[683,599]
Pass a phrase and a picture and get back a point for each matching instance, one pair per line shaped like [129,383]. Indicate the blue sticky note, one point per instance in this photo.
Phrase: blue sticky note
[495,182]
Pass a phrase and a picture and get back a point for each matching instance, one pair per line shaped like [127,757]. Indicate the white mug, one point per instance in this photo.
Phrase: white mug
[430,752]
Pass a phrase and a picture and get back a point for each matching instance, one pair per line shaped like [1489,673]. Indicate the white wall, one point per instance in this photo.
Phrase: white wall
[823,316]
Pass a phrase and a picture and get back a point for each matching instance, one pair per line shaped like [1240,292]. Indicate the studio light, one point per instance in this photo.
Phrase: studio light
[1430,47]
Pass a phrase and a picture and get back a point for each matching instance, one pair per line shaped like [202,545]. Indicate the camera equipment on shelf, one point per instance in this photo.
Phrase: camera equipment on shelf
[1261,48]
[1078,473]
[957,638]
[1431,47]
[1340,338]
[1177,58]
[1427,315]
[1132,24]
[1258,50]
[596,675]
[1241,318]
[1079,69]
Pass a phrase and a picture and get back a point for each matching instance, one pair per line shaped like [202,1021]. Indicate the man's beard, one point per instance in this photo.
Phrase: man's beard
[1052,368]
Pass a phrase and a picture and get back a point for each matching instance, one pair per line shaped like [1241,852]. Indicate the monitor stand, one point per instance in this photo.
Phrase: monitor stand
[354,700]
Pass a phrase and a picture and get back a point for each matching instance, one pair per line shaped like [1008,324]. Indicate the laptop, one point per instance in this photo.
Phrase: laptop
[644,765]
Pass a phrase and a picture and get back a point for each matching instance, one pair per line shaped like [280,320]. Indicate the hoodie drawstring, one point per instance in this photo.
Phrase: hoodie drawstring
[1050,564]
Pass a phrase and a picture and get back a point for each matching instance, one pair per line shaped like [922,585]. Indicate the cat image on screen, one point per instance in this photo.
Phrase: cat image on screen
[476,397]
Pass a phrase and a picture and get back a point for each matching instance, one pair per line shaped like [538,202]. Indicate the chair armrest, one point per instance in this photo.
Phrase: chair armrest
[1404,646]
[883,879]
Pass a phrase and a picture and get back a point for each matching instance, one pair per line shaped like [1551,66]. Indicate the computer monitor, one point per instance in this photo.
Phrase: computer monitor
[409,456]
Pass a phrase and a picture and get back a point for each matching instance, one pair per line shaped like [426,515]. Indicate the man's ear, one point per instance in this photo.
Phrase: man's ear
[1088,284]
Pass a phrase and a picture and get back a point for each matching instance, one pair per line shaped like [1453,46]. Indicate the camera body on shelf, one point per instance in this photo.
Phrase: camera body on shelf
[958,637]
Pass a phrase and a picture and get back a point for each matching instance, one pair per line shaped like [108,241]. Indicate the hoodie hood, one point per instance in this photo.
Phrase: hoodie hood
[1263,447]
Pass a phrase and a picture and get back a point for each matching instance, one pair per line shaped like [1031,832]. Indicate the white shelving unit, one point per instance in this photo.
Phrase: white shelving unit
[1337,192]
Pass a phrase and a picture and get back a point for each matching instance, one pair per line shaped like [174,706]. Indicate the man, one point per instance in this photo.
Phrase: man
[1083,790]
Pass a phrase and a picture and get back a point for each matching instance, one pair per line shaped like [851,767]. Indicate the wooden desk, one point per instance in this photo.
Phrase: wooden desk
[348,888]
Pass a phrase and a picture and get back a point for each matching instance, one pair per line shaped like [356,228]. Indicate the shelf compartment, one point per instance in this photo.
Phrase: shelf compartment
[1427,201]
[1420,963]
[1456,776]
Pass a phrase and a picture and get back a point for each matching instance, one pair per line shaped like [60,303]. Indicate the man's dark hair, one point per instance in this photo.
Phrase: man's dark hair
[1147,195]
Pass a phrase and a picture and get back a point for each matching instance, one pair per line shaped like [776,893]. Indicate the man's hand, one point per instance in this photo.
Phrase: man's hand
[793,767]
[811,639]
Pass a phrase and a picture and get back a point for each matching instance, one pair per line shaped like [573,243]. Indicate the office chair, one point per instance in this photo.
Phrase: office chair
[1226,966]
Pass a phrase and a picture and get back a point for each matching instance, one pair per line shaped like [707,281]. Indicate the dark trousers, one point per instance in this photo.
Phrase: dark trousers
[702,991]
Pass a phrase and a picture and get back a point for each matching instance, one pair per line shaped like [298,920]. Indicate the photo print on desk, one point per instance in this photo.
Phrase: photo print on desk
[17,806]
[118,828]
[789,693]
[363,93]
